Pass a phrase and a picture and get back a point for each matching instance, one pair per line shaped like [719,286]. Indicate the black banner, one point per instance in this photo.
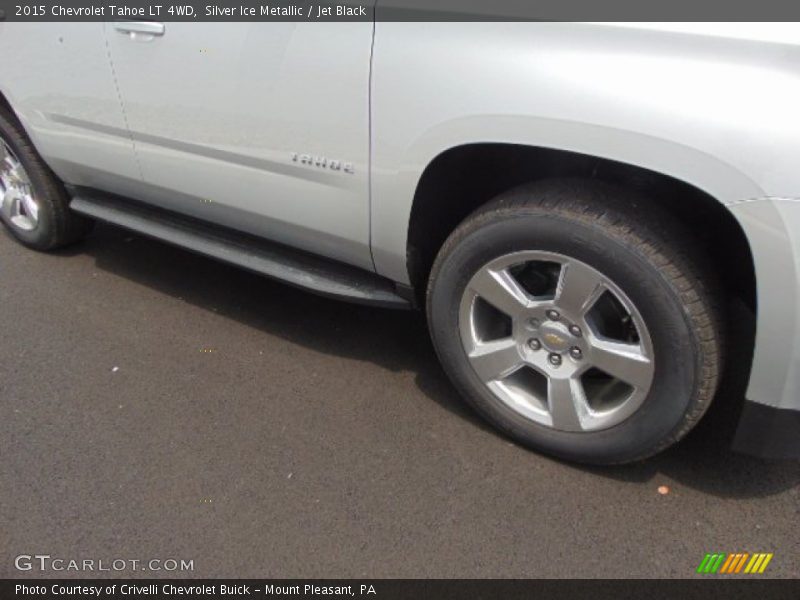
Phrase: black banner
[397,10]
[390,589]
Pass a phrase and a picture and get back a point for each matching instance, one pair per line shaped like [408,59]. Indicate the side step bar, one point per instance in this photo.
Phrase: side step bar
[315,274]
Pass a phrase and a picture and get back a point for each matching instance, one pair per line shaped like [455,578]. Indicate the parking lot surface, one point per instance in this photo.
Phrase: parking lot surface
[156,404]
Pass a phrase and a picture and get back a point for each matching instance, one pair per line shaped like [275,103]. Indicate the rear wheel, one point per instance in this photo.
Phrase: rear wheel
[570,316]
[34,205]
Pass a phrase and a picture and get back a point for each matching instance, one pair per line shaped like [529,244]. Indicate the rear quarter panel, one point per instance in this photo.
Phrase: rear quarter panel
[713,105]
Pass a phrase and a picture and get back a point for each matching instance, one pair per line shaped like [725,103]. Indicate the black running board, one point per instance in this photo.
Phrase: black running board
[315,274]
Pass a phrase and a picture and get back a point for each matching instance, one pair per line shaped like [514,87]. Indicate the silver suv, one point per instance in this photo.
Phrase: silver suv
[575,205]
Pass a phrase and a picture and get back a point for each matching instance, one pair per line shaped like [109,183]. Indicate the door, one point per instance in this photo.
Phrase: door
[262,127]
[58,78]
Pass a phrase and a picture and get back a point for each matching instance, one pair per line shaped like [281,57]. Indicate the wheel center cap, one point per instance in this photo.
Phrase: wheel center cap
[555,337]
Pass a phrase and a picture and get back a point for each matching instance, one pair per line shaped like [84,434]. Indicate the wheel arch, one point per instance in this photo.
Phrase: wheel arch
[461,178]
[5,104]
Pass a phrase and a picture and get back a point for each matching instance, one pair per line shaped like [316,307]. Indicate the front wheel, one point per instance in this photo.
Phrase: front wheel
[570,316]
[34,205]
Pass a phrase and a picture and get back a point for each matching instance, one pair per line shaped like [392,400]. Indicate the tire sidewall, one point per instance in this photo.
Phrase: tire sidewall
[675,346]
[41,236]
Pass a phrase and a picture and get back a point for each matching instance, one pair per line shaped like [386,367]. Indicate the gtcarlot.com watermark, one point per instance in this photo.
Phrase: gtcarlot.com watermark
[40,563]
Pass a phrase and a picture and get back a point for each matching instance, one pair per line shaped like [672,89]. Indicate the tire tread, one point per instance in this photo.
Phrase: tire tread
[648,230]
[67,227]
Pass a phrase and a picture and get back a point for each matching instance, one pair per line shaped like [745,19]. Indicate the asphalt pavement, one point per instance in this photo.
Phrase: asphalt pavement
[155,404]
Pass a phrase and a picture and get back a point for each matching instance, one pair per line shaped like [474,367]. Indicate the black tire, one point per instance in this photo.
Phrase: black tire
[56,225]
[647,254]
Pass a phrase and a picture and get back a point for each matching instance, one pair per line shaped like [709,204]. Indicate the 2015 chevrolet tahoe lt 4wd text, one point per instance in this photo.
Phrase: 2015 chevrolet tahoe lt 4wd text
[574,204]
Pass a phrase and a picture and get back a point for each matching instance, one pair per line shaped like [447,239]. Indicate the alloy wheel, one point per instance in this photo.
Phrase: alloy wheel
[556,341]
[17,202]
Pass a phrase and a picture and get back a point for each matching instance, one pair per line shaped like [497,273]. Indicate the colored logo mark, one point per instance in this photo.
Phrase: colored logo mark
[739,562]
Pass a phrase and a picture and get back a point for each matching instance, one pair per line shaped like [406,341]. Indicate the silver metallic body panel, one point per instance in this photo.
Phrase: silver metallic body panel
[712,104]
[65,70]
[772,226]
[216,110]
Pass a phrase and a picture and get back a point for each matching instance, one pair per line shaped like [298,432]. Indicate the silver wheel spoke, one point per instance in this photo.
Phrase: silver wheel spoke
[566,403]
[17,203]
[501,290]
[31,208]
[555,356]
[7,202]
[7,165]
[579,286]
[623,361]
[4,155]
[495,360]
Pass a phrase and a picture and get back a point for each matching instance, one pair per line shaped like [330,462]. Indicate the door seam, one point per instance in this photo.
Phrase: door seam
[122,103]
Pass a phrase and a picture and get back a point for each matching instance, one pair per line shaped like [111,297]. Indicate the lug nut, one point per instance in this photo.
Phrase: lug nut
[552,315]
[555,359]
[534,344]
[575,330]
[576,353]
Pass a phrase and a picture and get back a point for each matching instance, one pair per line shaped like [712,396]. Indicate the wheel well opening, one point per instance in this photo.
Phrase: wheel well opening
[5,105]
[462,179]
